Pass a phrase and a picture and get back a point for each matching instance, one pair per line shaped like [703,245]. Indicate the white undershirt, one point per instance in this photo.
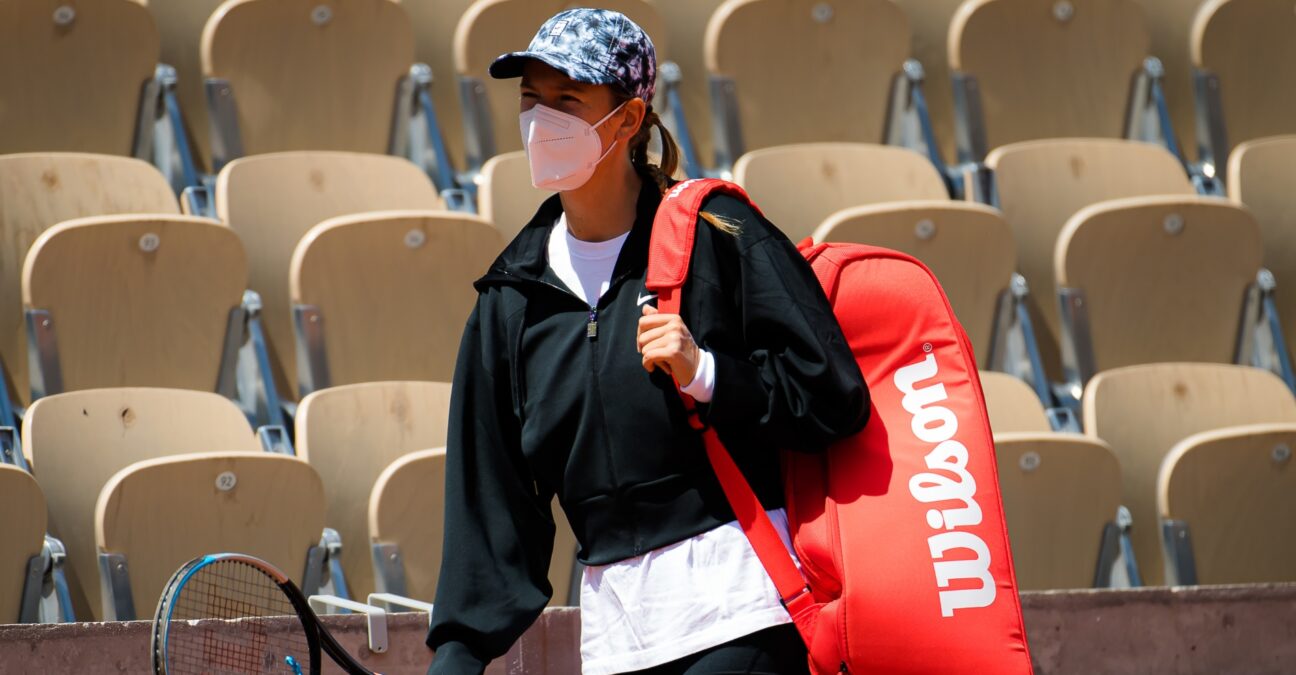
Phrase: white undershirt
[678,599]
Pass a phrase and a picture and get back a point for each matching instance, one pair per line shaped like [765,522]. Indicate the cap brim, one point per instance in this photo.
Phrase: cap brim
[510,65]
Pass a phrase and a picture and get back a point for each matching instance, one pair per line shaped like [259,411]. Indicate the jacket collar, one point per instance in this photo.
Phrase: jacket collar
[524,259]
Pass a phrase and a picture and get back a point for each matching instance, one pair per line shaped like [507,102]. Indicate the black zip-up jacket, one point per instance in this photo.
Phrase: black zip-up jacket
[550,398]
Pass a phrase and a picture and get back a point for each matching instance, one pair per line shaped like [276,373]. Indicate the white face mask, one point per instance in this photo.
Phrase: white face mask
[562,149]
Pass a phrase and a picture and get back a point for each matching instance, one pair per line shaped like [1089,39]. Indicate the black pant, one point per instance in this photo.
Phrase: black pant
[773,651]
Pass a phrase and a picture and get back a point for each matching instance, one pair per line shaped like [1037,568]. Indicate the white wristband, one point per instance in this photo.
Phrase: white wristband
[703,385]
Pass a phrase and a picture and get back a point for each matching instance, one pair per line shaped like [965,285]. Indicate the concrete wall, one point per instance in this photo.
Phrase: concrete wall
[1239,629]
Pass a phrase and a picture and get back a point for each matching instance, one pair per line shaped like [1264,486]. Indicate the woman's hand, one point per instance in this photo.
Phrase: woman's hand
[665,342]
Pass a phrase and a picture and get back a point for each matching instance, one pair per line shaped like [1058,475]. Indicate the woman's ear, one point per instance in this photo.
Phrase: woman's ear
[634,112]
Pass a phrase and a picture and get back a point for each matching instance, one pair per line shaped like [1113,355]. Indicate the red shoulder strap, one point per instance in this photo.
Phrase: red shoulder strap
[670,250]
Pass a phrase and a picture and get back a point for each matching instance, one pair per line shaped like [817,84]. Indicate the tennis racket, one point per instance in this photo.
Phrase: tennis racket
[232,586]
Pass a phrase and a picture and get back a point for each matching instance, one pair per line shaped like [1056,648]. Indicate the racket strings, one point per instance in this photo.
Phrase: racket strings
[233,590]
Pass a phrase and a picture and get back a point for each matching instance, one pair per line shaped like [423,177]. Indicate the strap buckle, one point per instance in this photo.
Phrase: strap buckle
[788,602]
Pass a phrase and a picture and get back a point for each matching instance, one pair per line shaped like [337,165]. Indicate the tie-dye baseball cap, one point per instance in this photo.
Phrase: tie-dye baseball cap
[595,46]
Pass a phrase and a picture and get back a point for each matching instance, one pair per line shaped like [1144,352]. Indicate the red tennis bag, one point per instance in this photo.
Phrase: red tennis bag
[905,565]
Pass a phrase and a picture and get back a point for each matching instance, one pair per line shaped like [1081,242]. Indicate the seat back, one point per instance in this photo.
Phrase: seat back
[785,56]
[79,440]
[1231,486]
[798,186]
[22,531]
[1142,411]
[1259,176]
[1169,24]
[308,75]
[505,195]
[1251,46]
[1049,70]
[930,22]
[1164,278]
[490,28]
[434,23]
[968,246]
[38,191]
[59,60]
[401,506]
[1013,406]
[162,513]
[272,201]
[350,434]
[148,303]
[394,289]
[180,24]
[1041,184]
[1059,491]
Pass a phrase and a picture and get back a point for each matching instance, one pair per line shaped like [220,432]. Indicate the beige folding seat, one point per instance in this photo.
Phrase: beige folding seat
[22,531]
[385,295]
[304,75]
[492,27]
[155,515]
[180,24]
[1040,185]
[773,64]
[798,186]
[929,21]
[434,24]
[41,190]
[79,440]
[72,74]
[407,553]
[1259,176]
[1025,70]
[1012,404]
[1169,24]
[968,246]
[272,201]
[1059,492]
[1225,498]
[1150,279]
[505,195]
[351,434]
[142,301]
[1244,52]
[1143,411]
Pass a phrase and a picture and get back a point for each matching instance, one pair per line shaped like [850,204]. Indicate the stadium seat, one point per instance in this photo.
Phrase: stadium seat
[434,24]
[143,301]
[1259,176]
[72,74]
[1059,492]
[1040,185]
[1013,405]
[968,246]
[1169,24]
[1026,70]
[505,196]
[22,531]
[1245,55]
[385,296]
[304,75]
[798,186]
[493,27]
[77,441]
[929,21]
[407,554]
[272,201]
[155,515]
[686,23]
[774,63]
[1143,411]
[1232,491]
[350,434]
[1150,279]
[40,190]
[180,25]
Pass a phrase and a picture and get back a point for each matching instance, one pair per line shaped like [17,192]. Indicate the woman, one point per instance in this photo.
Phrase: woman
[564,387]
